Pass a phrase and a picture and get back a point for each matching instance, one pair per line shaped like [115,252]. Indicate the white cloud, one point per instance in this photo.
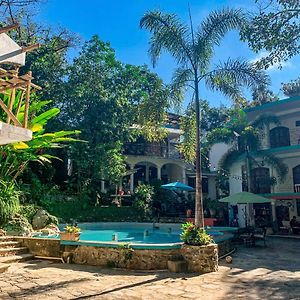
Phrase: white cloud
[274,67]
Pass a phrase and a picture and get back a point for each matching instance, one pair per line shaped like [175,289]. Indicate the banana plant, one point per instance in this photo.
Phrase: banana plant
[14,158]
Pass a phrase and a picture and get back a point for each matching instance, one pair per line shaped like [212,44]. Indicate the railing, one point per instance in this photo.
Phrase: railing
[297,188]
[152,149]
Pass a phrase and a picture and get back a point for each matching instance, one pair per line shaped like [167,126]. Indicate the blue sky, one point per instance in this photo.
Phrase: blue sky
[117,21]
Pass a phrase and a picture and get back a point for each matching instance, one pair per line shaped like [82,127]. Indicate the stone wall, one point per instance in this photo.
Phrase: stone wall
[203,259]
[42,247]
[136,259]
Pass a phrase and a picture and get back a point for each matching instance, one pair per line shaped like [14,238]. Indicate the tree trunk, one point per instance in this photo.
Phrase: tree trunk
[199,216]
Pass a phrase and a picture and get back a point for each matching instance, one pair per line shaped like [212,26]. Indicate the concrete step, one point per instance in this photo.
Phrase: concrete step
[4,267]
[13,251]
[9,244]
[15,258]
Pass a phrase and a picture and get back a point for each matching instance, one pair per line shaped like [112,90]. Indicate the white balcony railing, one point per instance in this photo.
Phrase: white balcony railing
[297,188]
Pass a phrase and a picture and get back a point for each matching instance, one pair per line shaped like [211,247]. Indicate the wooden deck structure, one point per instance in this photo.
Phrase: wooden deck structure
[13,86]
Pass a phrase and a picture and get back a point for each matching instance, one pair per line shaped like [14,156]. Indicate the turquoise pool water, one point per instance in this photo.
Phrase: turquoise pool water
[141,233]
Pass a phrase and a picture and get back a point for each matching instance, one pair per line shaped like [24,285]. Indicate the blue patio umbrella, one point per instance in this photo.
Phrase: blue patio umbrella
[177,186]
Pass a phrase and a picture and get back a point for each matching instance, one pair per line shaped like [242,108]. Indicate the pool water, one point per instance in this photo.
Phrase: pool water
[142,233]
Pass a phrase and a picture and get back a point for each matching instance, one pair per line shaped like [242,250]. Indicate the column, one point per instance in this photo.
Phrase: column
[147,173]
[183,175]
[159,172]
[102,184]
[273,205]
[131,179]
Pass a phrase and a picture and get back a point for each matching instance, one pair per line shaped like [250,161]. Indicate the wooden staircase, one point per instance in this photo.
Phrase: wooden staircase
[11,251]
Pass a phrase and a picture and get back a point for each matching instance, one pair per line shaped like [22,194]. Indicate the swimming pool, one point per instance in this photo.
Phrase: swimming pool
[141,233]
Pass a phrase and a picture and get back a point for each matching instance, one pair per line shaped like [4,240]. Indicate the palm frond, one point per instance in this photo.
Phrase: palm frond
[277,163]
[180,80]
[229,158]
[220,135]
[167,33]
[232,75]
[213,29]
[264,120]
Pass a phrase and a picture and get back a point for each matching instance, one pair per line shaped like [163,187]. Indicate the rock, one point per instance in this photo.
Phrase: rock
[18,225]
[2,232]
[50,229]
[42,218]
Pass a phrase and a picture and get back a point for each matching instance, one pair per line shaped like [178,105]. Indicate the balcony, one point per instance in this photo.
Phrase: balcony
[152,149]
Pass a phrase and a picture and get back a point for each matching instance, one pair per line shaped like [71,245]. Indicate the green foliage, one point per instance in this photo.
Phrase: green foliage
[122,102]
[193,235]
[291,88]
[28,211]
[126,251]
[275,27]
[143,196]
[9,200]
[81,210]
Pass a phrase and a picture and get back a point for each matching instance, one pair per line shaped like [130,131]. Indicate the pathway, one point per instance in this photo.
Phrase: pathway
[256,273]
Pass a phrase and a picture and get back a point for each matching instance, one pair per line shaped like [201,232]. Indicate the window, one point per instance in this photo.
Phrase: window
[297,123]
[279,137]
[296,178]
[260,181]
[298,207]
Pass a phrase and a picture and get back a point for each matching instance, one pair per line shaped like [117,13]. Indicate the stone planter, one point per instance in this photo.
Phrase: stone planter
[70,236]
[203,259]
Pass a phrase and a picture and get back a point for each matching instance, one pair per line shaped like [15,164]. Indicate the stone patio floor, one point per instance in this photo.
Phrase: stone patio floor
[256,273]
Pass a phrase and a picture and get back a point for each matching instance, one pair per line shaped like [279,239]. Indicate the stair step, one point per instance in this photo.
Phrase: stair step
[13,251]
[16,258]
[6,238]
[7,244]
[4,267]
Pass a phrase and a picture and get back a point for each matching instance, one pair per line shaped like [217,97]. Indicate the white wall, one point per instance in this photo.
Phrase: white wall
[215,154]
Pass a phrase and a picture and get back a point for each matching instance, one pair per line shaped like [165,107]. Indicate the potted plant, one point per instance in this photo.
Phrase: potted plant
[199,250]
[71,233]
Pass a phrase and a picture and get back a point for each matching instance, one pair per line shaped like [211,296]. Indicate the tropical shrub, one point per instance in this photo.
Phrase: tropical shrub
[9,200]
[193,235]
[143,199]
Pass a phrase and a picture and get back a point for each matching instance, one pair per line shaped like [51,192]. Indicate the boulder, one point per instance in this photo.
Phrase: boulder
[42,218]
[18,225]
[50,229]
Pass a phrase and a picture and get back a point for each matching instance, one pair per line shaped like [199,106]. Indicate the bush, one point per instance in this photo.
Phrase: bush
[9,201]
[82,211]
[193,235]
[143,199]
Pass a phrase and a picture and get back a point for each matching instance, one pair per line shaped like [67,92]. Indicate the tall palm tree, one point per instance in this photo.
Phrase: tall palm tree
[245,139]
[193,51]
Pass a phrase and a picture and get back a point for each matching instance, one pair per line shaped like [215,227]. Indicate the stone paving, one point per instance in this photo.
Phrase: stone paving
[256,273]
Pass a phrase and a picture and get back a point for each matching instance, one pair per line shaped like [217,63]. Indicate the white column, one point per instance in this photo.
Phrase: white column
[273,205]
[183,174]
[131,179]
[159,172]
[147,173]
[102,184]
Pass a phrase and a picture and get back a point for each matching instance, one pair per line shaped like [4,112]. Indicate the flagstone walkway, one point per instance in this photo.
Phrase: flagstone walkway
[256,273]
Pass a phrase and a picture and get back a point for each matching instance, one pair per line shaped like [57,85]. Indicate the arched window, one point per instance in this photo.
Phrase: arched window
[279,137]
[260,181]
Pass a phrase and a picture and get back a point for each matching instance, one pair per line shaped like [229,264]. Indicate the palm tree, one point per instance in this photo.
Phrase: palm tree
[245,140]
[193,51]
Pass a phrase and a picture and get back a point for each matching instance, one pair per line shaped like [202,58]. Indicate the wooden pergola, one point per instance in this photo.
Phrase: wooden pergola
[12,83]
